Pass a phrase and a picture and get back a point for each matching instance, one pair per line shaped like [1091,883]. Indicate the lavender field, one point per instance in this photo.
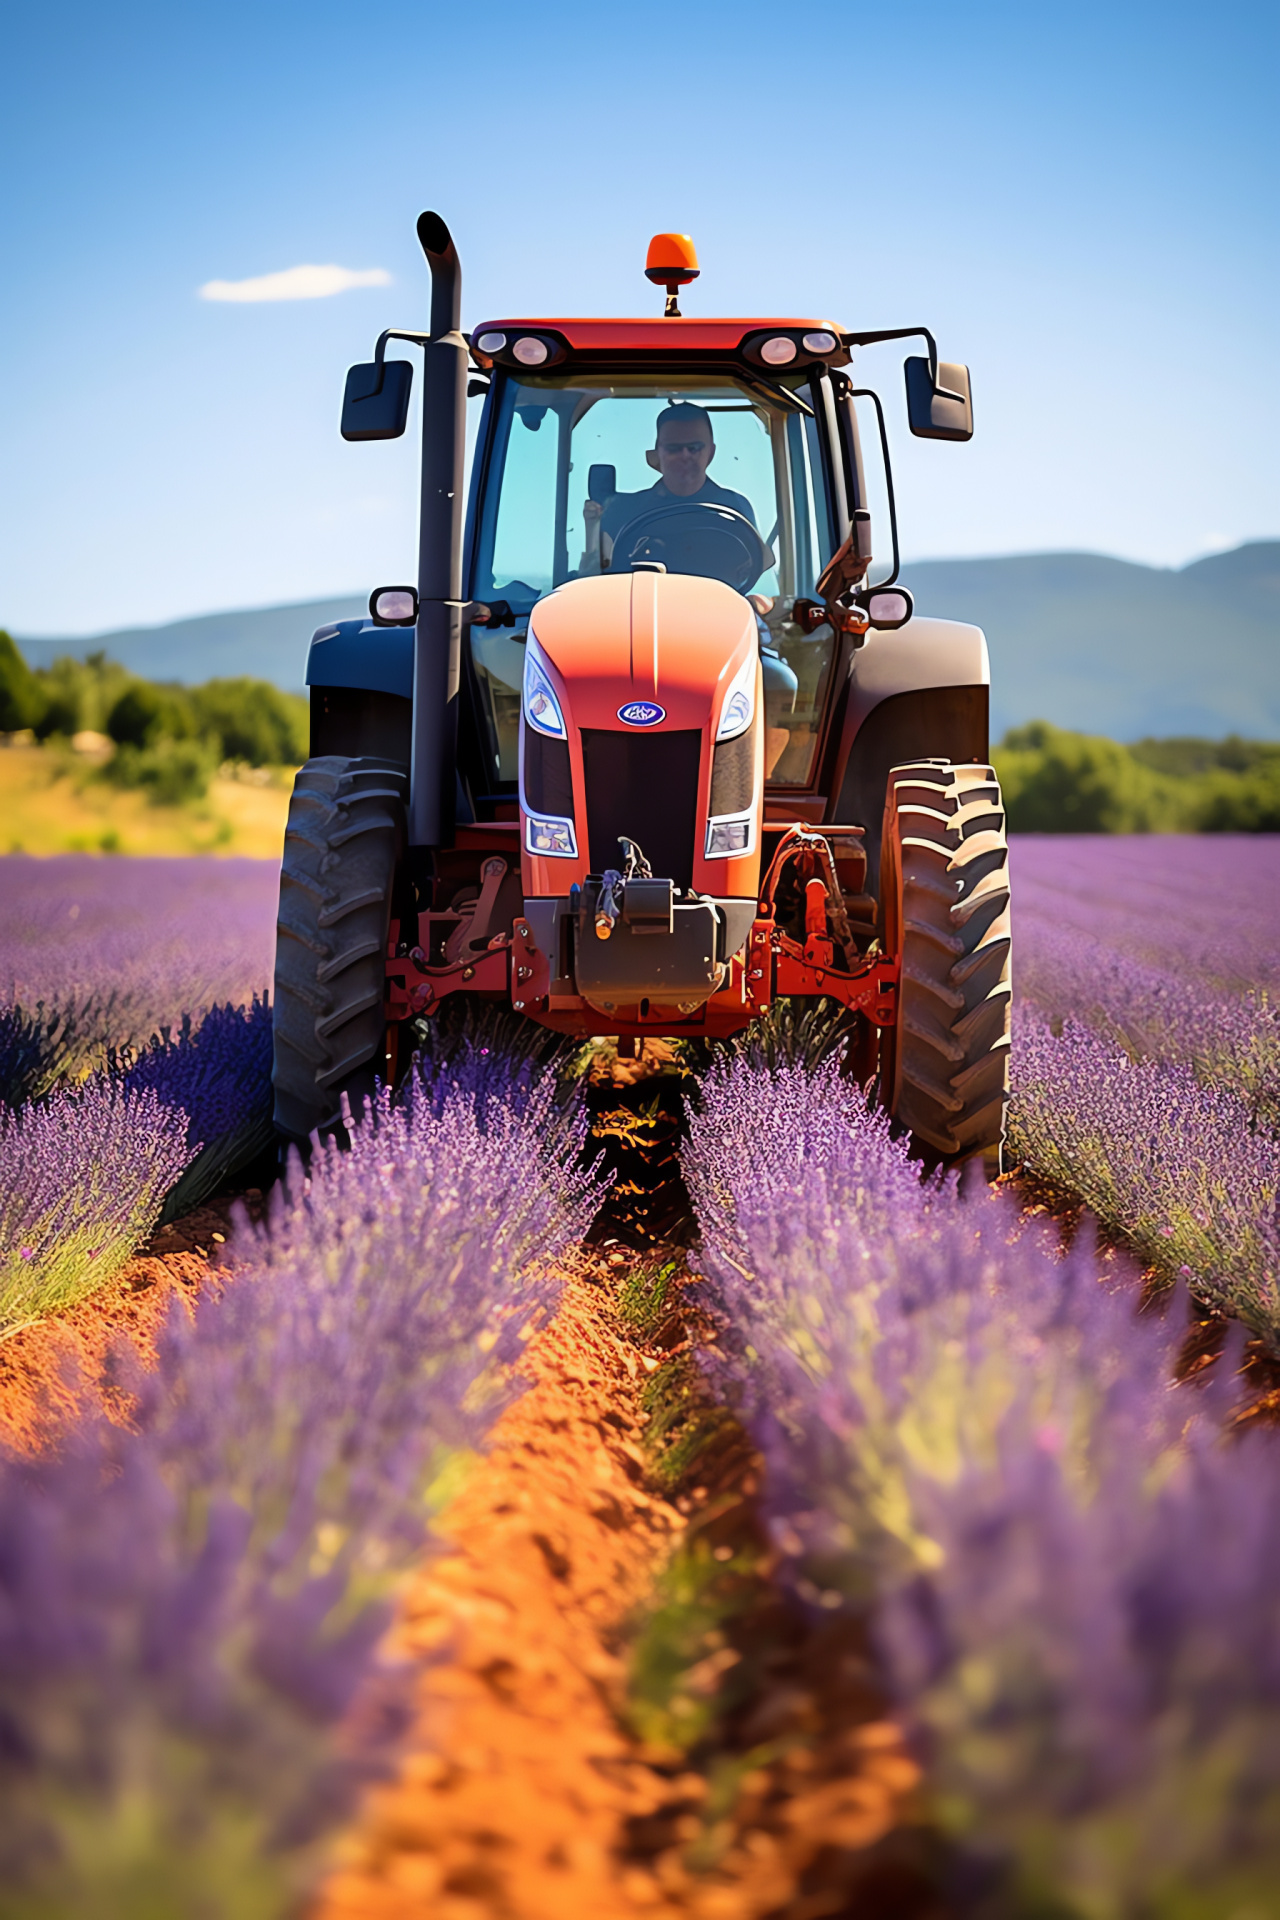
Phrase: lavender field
[136,944]
[1069,1563]
[976,1443]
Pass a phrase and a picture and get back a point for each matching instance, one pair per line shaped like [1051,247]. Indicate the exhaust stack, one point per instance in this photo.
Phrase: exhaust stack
[438,639]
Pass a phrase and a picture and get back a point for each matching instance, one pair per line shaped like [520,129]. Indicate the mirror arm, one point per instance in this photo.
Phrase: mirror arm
[380,351]
[866,393]
[906,333]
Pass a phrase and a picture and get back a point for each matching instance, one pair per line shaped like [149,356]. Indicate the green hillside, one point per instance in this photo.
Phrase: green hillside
[1108,647]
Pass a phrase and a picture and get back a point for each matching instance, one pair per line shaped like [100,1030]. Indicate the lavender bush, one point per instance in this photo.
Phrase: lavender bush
[1173,953]
[219,1073]
[1175,1166]
[143,940]
[39,1047]
[87,1173]
[83,1178]
[1230,1041]
[190,1611]
[1202,909]
[972,1440]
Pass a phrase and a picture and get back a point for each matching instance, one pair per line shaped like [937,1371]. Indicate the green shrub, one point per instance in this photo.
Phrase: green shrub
[1184,756]
[240,719]
[21,704]
[145,714]
[1240,803]
[1059,782]
[78,693]
[253,720]
[171,773]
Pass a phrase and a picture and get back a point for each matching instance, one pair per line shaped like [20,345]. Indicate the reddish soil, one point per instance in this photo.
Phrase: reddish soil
[523,1795]
[52,1372]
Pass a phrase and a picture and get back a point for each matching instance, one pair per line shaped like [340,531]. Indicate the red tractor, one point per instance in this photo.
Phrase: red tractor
[646,749]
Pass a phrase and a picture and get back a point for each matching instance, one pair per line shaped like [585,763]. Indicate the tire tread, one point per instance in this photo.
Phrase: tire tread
[343,842]
[945,1067]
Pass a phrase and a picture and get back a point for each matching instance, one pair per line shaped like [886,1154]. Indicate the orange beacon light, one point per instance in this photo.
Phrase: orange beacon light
[672,262]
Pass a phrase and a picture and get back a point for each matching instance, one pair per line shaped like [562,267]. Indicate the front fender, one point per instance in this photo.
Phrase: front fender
[922,693]
[924,653]
[361,681]
[355,653]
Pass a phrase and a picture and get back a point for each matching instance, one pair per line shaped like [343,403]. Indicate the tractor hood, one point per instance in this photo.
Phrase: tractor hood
[666,640]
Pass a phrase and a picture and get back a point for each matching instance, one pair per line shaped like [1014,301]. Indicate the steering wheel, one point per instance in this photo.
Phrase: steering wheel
[695,536]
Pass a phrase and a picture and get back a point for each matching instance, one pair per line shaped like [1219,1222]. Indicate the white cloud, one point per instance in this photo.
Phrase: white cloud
[296,283]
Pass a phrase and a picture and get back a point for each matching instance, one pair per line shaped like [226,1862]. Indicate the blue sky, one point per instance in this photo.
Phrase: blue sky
[1080,201]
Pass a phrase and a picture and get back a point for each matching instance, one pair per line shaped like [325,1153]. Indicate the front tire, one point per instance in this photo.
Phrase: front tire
[945,910]
[343,845]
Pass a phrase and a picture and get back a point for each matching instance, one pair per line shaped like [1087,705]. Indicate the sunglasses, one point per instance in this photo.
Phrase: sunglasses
[681,446]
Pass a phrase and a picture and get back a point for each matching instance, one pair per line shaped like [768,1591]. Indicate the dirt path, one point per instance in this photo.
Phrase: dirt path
[524,1795]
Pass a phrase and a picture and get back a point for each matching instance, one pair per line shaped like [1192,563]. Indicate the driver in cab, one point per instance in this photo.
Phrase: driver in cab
[683,450]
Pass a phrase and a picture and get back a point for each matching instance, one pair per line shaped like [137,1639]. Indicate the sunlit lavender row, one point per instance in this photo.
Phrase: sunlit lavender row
[974,1442]
[88,1169]
[191,1608]
[1173,955]
[1183,1171]
[1205,910]
[134,944]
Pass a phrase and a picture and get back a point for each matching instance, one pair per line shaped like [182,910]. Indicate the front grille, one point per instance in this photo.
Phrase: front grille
[644,785]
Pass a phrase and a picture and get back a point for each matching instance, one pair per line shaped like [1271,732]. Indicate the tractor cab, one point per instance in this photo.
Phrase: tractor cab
[656,740]
[570,486]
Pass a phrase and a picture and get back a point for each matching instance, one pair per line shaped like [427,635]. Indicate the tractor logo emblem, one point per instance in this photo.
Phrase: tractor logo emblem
[641,713]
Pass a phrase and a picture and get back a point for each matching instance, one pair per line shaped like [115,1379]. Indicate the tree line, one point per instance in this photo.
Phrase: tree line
[1060,782]
[168,740]
[171,739]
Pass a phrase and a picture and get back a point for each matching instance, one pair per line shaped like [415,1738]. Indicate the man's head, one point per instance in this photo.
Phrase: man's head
[684,447]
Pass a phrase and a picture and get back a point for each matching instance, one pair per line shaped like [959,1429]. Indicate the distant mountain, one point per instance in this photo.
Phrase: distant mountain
[1104,646]
[268,642]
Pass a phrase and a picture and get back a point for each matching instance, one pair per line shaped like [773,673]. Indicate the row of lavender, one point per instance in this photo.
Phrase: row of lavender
[191,1607]
[1147,1052]
[127,1092]
[90,1164]
[975,1443]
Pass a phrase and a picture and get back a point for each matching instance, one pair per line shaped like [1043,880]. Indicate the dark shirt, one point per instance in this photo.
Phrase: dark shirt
[624,507]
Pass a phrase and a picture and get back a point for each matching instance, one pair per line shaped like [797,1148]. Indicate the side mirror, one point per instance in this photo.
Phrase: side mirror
[944,412]
[887,608]
[375,404]
[393,606]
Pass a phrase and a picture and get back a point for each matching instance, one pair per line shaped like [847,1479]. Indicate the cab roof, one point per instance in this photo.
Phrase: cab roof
[652,334]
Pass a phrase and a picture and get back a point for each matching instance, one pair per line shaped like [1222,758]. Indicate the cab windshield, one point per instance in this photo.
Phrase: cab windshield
[706,474]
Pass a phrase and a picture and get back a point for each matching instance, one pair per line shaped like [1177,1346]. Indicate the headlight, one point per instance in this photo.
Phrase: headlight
[541,708]
[728,836]
[739,708]
[551,836]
